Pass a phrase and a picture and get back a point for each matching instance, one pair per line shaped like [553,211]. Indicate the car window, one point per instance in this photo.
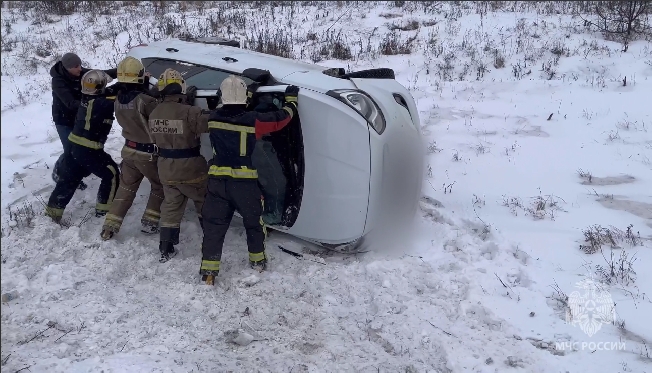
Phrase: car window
[201,77]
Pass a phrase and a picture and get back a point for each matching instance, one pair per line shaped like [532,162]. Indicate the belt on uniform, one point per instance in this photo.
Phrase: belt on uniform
[147,148]
[180,153]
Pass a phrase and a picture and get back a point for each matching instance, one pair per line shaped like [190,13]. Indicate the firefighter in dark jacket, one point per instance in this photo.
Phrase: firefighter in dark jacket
[175,127]
[66,96]
[86,153]
[133,106]
[232,181]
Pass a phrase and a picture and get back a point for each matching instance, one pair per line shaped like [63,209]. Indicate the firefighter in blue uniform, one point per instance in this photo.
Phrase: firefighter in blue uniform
[232,179]
[86,153]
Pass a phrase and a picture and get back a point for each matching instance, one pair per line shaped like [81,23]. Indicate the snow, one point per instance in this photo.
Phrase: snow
[472,289]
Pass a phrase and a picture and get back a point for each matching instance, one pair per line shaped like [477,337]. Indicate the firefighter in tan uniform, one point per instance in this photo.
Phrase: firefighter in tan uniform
[132,109]
[175,127]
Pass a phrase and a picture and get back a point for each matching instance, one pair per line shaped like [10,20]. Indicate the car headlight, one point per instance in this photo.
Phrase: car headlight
[363,104]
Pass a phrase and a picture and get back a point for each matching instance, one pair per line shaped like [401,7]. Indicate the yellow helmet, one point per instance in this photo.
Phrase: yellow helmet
[94,82]
[171,76]
[131,70]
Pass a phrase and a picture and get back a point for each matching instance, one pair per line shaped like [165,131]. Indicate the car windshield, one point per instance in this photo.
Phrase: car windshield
[203,78]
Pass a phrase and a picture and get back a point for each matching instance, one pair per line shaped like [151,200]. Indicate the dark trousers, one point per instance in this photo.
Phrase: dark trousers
[224,197]
[64,132]
[78,163]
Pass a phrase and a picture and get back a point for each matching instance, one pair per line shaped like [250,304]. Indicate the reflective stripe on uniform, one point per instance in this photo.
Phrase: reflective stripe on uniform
[85,142]
[89,112]
[244,130]
[289,111]
[114,222]
[230,127]
[243,144]
[170,225]
[151,215]
[210,265]
[53,212]
[290,99]
[238,173]
[102,206]
[257,257]
[113,218]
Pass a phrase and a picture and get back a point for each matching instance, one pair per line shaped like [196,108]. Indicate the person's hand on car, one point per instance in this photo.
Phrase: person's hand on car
[212,102]
[291,93]
[251,89]
[191,94]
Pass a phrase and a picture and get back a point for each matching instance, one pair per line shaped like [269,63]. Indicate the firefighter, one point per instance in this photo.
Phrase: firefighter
[175,127]
[86,153]
[233,183]
[132,109]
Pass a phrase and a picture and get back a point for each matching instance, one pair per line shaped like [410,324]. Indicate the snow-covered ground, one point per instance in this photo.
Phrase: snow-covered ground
[535,141]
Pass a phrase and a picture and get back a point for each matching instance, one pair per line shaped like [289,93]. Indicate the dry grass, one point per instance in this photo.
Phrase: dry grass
[540,207]
[597,236]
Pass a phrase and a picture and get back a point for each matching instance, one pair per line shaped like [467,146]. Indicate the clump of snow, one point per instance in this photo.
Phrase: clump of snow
[539,148]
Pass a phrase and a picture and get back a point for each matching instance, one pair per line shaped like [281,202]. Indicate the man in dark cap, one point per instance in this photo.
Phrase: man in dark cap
[66,95]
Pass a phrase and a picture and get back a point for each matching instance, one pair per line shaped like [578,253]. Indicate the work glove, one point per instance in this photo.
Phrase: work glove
[251,89]
[291,94]
[212,102]
[191,95]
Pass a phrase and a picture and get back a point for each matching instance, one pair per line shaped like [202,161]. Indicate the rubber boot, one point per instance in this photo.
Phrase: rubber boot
[167,251]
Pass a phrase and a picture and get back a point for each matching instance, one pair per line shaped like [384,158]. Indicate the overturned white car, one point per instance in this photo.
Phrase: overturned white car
[353,158]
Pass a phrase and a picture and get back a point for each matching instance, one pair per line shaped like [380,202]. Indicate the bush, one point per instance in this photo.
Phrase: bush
[277,43]
[392,44]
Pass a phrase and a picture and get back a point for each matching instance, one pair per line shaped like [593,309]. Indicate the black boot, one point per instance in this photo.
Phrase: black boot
[148,227]
[260,265]
[167,251]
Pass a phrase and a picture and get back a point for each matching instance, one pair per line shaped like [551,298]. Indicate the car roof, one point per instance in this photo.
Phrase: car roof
[285,70]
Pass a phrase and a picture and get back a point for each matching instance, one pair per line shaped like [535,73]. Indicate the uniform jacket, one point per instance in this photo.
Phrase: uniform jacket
[132,110]
[174,124]
[233,134]
[66,93]
[93,122]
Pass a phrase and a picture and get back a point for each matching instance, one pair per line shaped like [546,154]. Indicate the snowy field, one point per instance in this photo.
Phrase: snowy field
[539,175]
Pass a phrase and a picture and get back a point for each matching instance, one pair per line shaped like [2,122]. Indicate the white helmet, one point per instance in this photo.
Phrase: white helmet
[233,91]
[94,82]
